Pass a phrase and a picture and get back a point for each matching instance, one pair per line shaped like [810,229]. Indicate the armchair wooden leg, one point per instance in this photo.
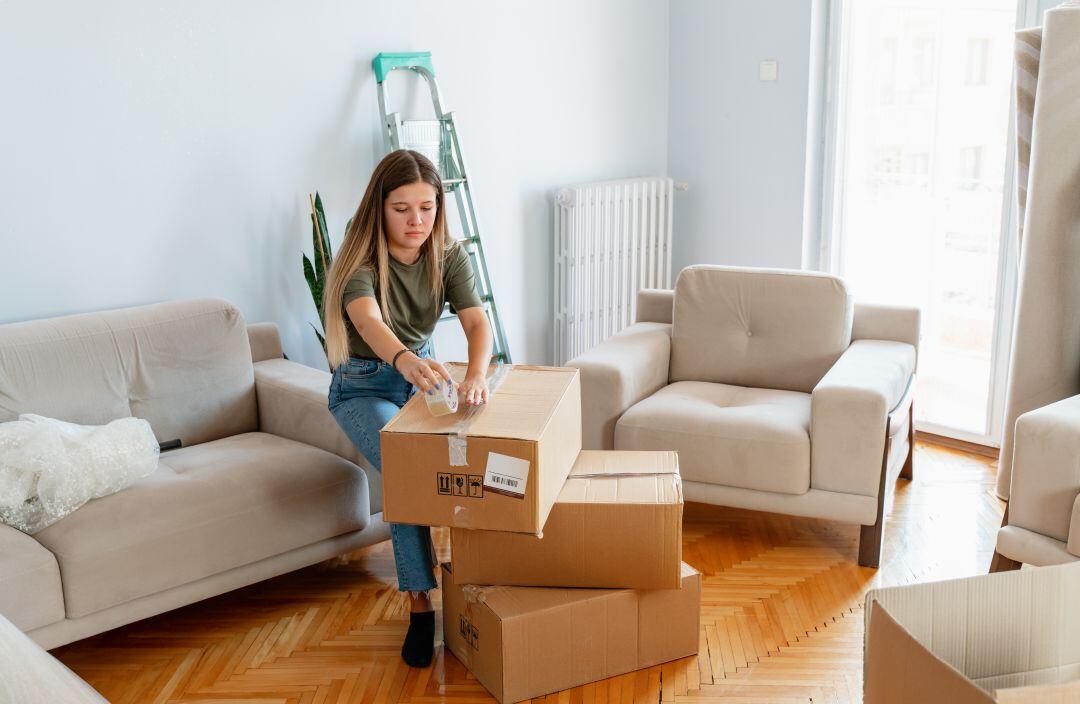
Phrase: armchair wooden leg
[1000,563]
[871,537]
[908,470]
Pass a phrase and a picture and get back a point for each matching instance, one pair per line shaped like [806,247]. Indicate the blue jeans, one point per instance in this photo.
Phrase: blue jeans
[364,396]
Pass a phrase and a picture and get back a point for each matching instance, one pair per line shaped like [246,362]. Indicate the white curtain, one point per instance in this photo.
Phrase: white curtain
[1045,364]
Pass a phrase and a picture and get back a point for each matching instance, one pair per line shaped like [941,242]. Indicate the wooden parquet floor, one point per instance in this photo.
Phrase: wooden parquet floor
[781,620]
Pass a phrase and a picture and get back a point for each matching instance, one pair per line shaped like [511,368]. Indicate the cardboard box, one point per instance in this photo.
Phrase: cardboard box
[523,642]
[991,638]
[502,471]
[617,523]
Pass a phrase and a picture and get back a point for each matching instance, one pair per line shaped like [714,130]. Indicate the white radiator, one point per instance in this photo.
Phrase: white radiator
[612,239]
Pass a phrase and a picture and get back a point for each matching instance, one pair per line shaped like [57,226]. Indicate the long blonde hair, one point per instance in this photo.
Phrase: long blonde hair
[365,246]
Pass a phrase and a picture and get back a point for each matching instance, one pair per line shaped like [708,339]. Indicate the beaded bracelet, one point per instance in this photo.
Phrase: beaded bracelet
[400,352]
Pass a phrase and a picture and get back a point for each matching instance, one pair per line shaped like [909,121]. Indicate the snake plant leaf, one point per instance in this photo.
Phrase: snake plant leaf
[315,286]
[317,268]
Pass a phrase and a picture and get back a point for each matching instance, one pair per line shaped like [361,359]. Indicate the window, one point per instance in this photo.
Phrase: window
[978,61]
[971,167]
[914,213]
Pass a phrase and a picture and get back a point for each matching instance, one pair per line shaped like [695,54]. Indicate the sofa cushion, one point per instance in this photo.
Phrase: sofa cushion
[207,509]
[30,594]
[764,328]
[185,366]
[727,435]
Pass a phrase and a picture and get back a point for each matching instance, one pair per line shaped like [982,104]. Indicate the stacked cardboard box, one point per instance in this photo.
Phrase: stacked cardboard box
[617,523]
[566,565]
[501,469]
[522,642]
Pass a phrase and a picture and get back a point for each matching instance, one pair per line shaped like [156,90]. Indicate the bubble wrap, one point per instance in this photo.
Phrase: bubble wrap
[49,468]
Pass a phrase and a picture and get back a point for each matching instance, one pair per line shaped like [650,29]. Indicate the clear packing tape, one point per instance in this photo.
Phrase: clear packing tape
[456,442]
[472,595]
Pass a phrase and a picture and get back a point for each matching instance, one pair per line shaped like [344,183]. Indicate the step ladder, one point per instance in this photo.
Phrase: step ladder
[438,140]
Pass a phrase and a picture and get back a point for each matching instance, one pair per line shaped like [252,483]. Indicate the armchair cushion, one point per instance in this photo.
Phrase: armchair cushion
[616,374]
[848,412]
[763,328]
[728,435]
[1046,469]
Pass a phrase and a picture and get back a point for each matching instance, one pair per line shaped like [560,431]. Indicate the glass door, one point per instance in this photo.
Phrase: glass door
[916,206]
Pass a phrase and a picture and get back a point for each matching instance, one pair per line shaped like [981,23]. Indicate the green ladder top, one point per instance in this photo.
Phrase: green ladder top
[438,140]
[386,61]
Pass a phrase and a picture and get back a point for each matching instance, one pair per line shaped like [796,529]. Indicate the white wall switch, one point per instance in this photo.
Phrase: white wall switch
[767,71]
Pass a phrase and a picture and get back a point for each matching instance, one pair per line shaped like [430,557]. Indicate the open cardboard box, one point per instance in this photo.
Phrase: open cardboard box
[616,524]
[992,638]
[500,470]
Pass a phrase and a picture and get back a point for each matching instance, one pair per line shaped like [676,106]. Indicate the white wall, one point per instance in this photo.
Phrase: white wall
[752,152]
[739,142]
[155,151]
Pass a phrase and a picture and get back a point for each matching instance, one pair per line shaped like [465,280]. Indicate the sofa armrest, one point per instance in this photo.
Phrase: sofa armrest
[292,401]
[654,305]
[1046,470]
[848,412]
[882,322]
[265,341]
[624,369]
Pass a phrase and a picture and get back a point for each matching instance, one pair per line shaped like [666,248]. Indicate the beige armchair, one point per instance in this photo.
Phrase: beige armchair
[1042,524]
[777,391]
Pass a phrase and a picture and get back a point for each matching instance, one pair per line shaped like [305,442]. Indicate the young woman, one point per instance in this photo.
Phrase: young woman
[386,290]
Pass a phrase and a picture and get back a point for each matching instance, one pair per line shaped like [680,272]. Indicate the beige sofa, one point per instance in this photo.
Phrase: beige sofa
[1042,525]
[265,482]
[778,392]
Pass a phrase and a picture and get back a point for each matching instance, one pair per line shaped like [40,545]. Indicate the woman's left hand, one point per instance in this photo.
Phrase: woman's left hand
[473,390]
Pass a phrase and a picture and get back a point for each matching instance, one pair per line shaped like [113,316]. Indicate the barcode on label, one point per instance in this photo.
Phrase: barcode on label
[506,475]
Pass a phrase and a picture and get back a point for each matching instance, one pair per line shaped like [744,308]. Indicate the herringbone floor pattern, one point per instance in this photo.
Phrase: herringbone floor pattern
[781,616]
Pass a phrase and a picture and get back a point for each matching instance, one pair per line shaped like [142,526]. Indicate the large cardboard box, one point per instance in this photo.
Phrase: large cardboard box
[500,469]
[617,523]
[523,642]
[991,638]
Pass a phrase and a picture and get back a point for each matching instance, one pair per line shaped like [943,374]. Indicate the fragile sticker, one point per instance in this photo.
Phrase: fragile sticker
[457,484]
[506,475]
[468,632]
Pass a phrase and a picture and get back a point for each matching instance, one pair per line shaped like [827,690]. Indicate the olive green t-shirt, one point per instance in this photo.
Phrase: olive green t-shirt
[414,310]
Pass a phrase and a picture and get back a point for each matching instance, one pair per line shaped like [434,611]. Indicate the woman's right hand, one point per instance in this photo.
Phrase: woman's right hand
[425,374]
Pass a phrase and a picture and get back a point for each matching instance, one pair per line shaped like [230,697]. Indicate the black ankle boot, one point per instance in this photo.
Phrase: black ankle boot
[420,640]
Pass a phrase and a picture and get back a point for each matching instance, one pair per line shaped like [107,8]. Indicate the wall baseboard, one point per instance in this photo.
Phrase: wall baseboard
[954,444]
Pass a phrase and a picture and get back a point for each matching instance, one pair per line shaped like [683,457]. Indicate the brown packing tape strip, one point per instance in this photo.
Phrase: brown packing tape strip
[598,475]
